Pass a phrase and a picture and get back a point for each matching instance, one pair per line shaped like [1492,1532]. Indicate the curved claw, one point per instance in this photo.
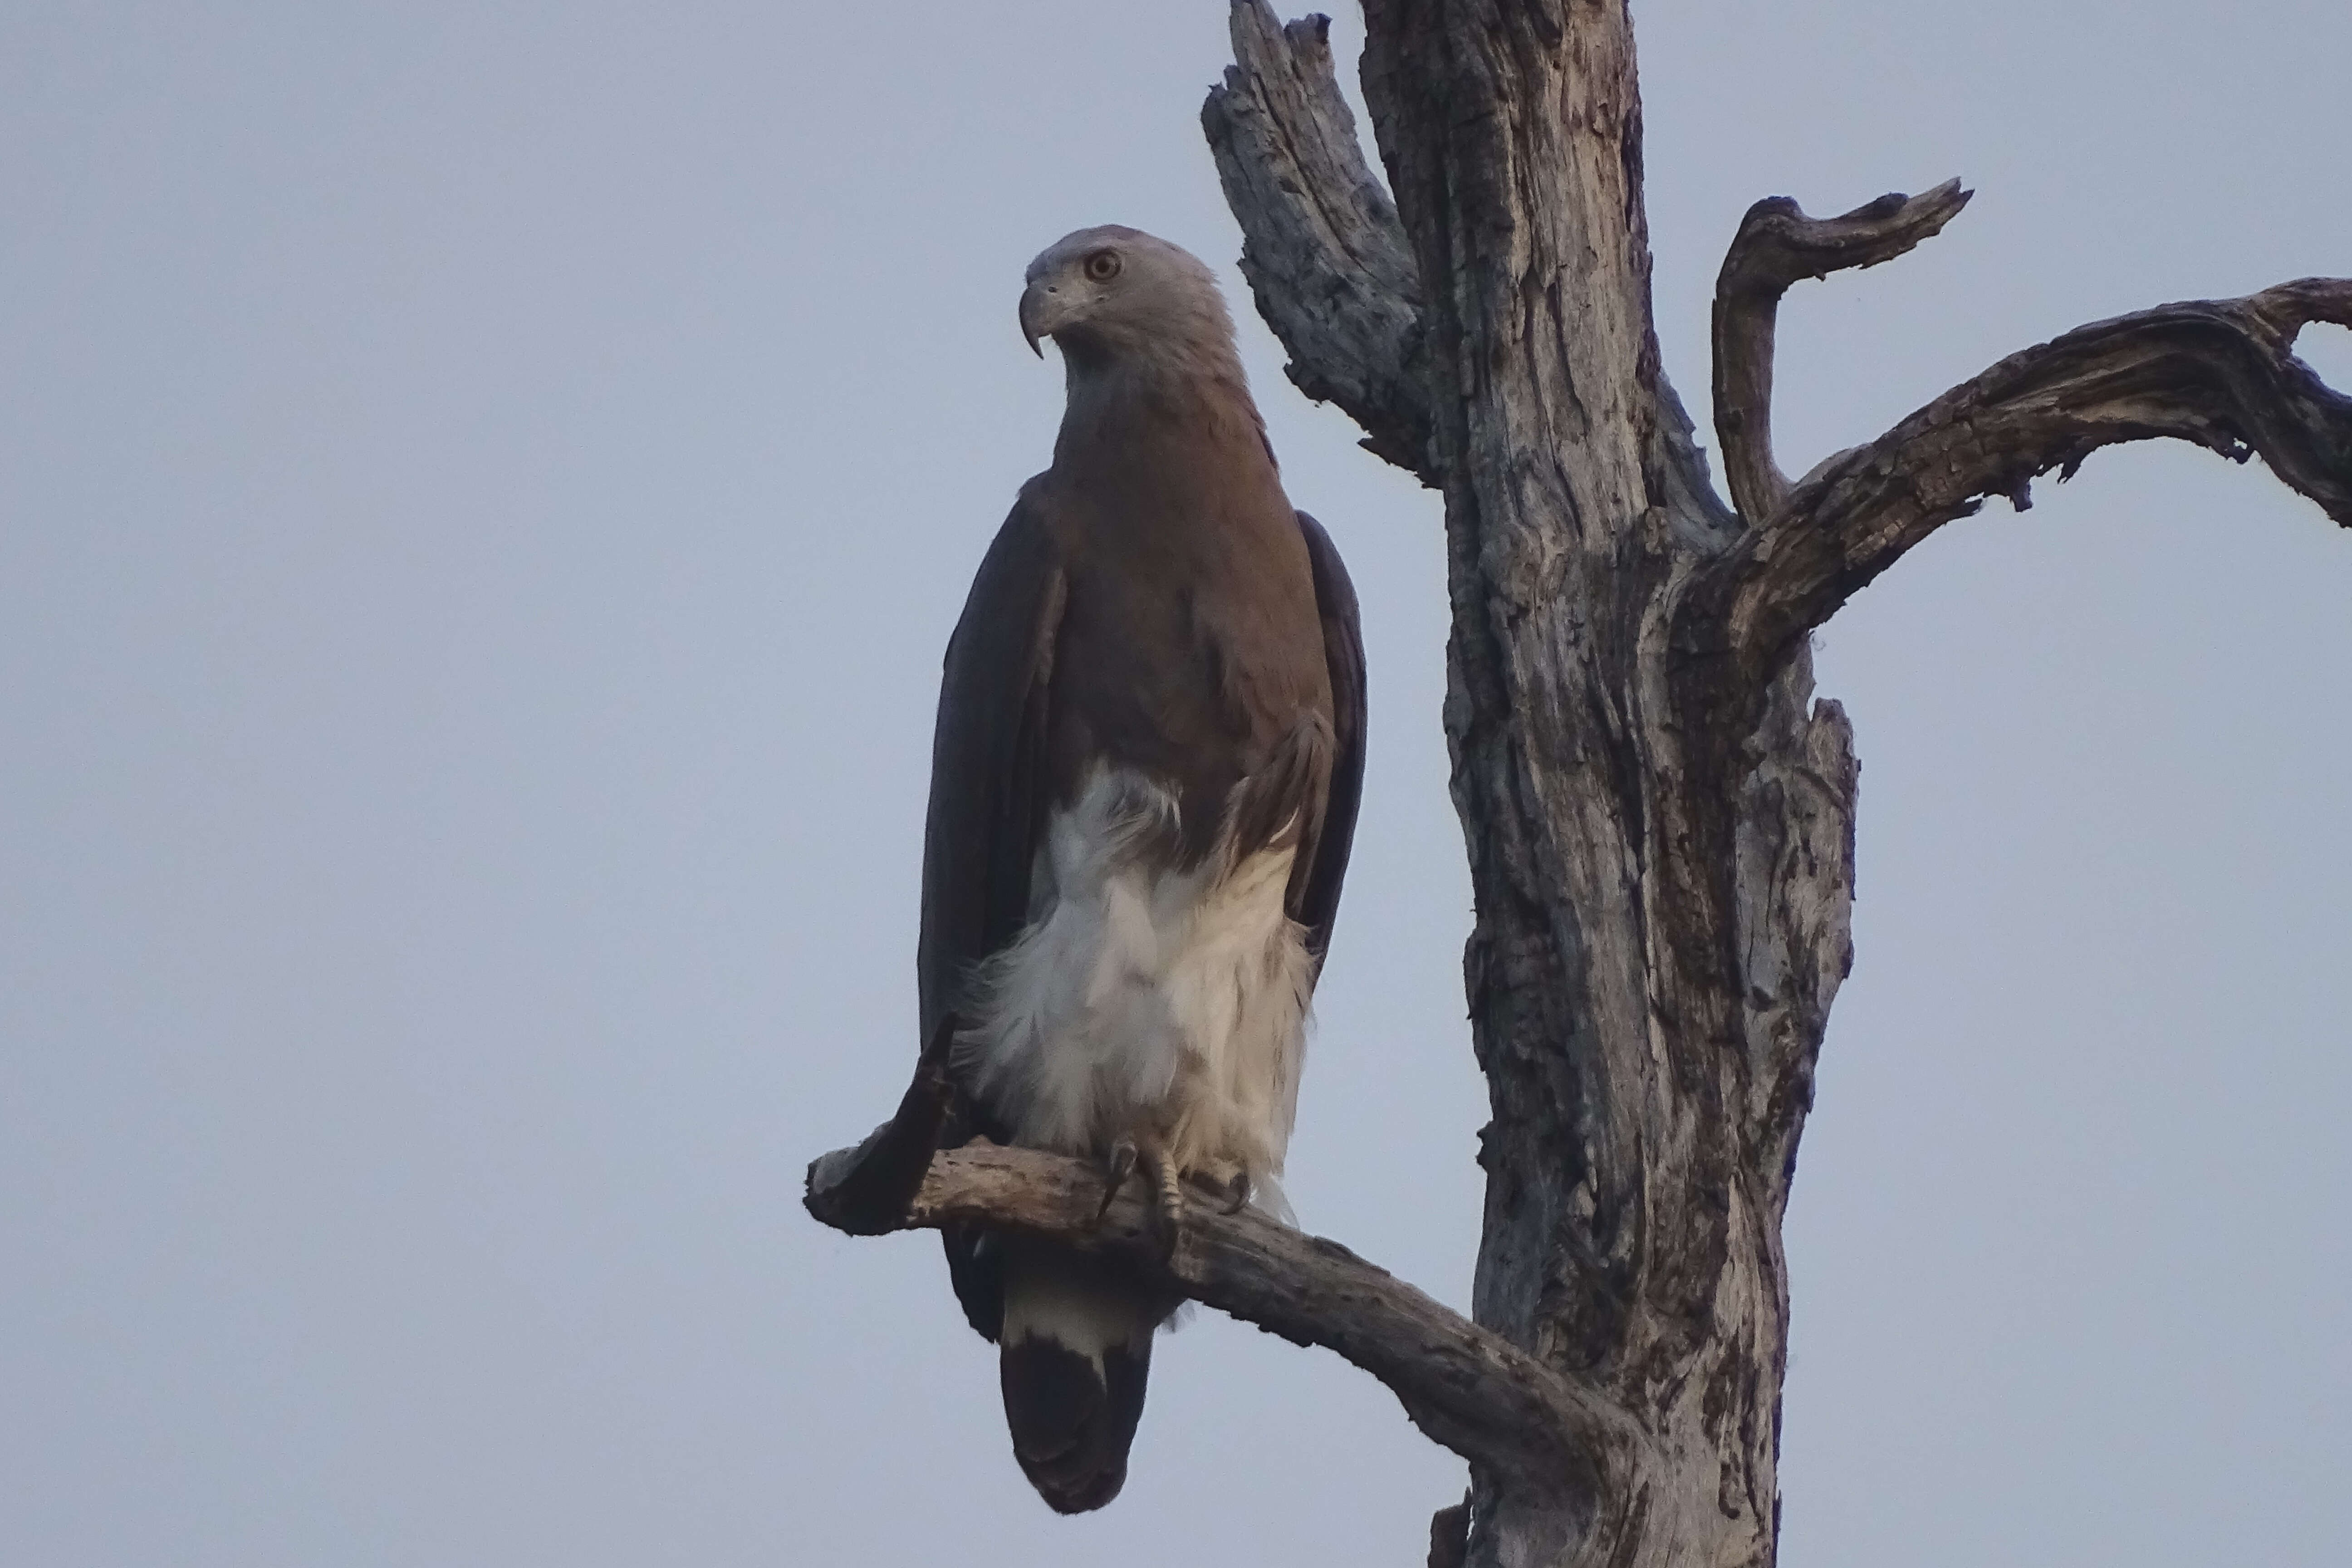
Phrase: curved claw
[1118,1165]
[1165,1210]
[1237,1193]
[1232,1193]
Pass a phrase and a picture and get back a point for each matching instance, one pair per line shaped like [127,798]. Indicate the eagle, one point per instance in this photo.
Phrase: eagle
[1144,780]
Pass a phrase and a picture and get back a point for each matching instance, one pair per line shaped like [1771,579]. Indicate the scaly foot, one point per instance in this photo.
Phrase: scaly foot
[1164,1213]
[1167,1195]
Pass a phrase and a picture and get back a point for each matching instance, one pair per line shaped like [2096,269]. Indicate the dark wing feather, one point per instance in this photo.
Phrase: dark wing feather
[988,805]
[988,761]
[1318,897]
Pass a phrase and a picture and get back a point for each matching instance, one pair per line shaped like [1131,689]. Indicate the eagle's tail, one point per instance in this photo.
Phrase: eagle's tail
[1075,1350]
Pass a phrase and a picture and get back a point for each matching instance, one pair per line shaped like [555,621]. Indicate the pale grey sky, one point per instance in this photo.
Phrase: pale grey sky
[483,489]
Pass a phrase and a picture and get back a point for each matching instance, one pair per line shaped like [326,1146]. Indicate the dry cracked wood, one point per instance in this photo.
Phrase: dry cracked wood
[1325,258]
[1776,246]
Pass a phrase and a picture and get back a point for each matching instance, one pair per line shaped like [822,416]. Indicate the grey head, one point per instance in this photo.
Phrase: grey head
[1114,296]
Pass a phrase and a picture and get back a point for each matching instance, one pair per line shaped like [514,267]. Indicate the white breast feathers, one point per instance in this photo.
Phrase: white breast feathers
[1146,999]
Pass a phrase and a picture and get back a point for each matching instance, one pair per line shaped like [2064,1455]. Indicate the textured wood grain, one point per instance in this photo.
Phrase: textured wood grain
[1630,1236]
[1324,253]
[1776,246]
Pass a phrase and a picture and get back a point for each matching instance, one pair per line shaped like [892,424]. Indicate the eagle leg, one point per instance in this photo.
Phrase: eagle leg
[1167,1197]
[1164,1213]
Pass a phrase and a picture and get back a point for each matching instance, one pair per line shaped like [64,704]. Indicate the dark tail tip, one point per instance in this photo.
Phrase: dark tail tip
[1071,1425]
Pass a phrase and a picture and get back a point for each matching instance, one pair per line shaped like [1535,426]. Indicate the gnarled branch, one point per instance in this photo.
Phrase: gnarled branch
[1471,1389]
[1322,247]
[2218,373]
[1776,246]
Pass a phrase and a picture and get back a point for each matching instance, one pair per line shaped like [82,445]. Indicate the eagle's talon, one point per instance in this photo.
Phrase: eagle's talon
[1236,1193]
[1118,1165]
[1231,1194]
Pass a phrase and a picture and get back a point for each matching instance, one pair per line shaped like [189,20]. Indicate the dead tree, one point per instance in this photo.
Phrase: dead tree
[1659,816]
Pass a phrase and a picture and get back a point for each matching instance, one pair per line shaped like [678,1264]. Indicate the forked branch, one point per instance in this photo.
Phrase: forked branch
[1322,247]
[2221,373]
[1471,1389]
[1776,246]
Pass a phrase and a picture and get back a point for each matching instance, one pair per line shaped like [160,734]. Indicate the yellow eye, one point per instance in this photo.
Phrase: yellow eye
[1103,266]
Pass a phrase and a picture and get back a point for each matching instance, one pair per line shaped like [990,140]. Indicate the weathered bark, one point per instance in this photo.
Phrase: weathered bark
[2220,374]
[1284,138]
[1659,818]
[1776,246]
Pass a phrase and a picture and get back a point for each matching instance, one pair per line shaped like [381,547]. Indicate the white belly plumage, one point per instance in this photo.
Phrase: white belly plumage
[1146,1000]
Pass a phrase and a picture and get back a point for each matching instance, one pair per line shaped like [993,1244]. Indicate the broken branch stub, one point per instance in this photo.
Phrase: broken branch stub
[1324,253]
[1778,245]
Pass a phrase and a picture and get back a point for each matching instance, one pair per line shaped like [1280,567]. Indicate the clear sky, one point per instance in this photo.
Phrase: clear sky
[483,492]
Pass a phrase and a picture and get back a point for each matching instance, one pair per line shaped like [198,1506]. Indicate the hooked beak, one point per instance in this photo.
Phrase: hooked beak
[1042,311]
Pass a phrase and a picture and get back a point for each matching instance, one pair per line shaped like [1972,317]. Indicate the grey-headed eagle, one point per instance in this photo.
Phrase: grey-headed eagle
[1144,781]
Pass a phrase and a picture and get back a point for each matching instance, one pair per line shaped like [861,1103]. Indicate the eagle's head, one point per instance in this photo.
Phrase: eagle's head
[1115,294]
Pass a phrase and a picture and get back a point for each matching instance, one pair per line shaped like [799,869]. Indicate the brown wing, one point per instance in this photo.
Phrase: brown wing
[988,805]
[1316,899]
[988,776]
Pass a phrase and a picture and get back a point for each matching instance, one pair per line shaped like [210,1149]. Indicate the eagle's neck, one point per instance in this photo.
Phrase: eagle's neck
[1183,396]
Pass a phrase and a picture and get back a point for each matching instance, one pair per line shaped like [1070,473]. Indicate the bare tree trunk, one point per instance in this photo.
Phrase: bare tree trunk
[1659,817]
[1662,906]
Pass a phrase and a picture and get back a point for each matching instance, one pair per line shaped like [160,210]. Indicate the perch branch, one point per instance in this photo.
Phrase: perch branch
[1776,246]
[1322,247]
[2218,373]
[1468,1389]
